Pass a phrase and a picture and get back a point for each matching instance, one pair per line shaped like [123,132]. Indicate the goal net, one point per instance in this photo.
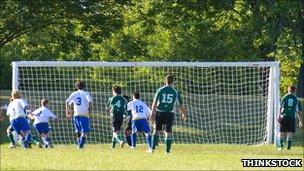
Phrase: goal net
[227,102]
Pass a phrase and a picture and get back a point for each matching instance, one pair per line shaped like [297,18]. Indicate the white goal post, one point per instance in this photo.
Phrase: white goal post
[227,102]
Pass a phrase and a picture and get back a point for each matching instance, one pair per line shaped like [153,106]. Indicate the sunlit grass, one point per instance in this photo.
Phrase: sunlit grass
[102,157]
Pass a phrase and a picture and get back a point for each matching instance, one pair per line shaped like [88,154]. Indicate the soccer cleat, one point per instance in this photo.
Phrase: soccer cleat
[122,143]
[51,145]
[280,148]
[12,146]
[132,147]
[150,151]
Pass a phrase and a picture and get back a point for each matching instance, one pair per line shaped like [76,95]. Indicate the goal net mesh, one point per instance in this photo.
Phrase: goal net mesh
[226,104]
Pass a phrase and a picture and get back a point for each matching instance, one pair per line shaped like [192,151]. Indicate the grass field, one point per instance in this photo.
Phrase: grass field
[102,157]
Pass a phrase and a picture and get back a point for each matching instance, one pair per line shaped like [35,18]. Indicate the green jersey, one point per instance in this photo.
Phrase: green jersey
[167,97]
[118,105]
[290,105]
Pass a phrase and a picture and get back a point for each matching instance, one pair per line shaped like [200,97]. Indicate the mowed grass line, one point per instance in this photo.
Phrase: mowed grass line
[102,157]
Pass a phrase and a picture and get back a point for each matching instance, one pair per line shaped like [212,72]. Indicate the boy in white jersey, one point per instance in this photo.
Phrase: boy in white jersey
[41,118]
[140,114]
[82,104]
[17,113]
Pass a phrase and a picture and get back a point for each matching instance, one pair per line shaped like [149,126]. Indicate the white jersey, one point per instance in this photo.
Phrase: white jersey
[42,115]
[16,109]
[81,100]
[138,109]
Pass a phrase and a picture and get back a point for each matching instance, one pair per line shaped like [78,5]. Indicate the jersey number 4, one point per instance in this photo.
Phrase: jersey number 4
[167,98]
[118,104]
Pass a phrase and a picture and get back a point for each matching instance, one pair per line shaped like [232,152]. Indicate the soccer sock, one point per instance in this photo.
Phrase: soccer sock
[128,139]
[11,138]
[289,143]
[82,141]
[113,142]
[45,141]
[133,139]
[154,141]
[149,139]
[281,142]
[27,139]
[168,141]
[116,137]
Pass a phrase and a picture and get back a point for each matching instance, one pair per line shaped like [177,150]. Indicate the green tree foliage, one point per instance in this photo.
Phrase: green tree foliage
[148,30]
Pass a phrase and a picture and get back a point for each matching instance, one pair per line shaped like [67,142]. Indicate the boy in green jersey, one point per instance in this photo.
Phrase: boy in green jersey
[166,99]
[117,106]
[290,107]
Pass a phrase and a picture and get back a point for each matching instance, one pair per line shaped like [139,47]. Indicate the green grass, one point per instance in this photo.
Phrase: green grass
[101,157]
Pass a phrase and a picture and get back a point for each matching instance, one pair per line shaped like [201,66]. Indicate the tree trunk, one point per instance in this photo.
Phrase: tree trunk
[300,87]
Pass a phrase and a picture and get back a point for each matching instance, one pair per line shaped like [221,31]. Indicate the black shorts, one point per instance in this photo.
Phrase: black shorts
[117,121]
[288,124]
[164,120]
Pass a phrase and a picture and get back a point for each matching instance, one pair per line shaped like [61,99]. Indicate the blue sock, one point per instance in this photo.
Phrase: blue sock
[82,141]
[48,140]
[133,139]
[45,141]
[149,141]
[129,141]
[27,139]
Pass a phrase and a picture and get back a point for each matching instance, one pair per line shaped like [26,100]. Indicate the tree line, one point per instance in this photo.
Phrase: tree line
[154,30]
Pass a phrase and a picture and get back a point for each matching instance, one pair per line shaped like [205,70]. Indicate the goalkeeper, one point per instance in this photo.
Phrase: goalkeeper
[290,105]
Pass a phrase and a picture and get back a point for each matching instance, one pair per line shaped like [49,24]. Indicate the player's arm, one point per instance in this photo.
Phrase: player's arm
[300,113]
[153,110]
[68,104]
[90,107]
[154,105]
[89,98]
[31,115]
[68,112]
[183,112]
[108,109]
[181,108]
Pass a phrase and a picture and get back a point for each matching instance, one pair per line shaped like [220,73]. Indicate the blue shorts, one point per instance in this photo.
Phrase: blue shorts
[20,124]
[140,125]
[82,124]
[42,128]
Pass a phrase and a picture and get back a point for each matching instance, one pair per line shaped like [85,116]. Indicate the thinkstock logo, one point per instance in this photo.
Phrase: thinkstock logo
[272,162]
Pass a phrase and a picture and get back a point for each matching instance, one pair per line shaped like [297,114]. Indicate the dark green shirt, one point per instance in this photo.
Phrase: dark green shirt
[167,97]
[118,105]
[290,105]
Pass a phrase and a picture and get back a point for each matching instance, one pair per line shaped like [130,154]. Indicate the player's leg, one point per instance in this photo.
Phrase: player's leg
[22,127]
[10,136]
[134,133]
[158,127]
[77,125]
[291,129]
[117,122]
[146,129]
[26,129]
[168,131]
[282,131]
[128,132]
[289,140]
[85,124]
[44,130]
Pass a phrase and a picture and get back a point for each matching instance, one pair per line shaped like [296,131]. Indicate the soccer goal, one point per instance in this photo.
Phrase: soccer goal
[227,102]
